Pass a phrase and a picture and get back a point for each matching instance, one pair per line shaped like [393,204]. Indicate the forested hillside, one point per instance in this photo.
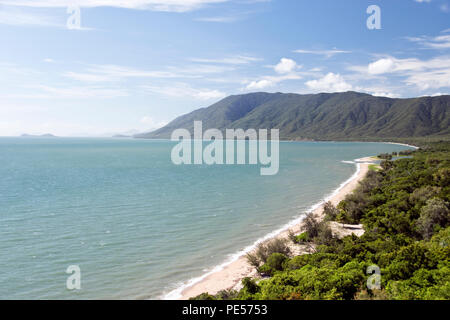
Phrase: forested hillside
[326,116]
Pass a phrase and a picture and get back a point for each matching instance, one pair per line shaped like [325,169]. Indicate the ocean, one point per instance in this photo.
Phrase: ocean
[138,226]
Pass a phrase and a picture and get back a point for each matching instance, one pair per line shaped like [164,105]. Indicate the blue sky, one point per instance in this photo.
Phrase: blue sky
[135,65]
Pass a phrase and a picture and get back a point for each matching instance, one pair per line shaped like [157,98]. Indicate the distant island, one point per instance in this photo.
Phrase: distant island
[121,136]
[325,116]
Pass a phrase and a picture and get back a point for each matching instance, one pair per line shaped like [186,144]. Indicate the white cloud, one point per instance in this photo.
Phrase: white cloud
[109,73]
[15,17]
[261,84]
[223,19]
[233,60]
[8,70]
[424,74]
[88,77]
[152,124]
[439,42]
[101,73]
[326,53]
[285,66]
[81,92]
[270,81]
[286,69]
[430,79]
[182,90]
[329,83]
[155,5]
[381,66]
[420,1]
[381,92]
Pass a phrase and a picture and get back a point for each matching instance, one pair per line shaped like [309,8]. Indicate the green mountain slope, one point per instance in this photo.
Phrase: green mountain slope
[325,116]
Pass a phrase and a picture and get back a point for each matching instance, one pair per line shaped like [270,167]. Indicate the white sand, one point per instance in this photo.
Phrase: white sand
[231,275]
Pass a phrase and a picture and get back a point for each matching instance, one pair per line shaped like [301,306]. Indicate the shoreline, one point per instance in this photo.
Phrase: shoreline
[229,274]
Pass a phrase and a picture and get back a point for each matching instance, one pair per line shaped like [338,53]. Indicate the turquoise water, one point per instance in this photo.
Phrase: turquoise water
[137,225]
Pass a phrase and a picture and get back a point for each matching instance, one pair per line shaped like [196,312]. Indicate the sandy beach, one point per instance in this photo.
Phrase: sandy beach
[231,275]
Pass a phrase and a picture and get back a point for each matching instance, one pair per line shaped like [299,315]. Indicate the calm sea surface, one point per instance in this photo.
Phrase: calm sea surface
[137,225]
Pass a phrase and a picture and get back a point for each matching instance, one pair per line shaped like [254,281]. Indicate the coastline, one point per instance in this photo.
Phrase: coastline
[229,274]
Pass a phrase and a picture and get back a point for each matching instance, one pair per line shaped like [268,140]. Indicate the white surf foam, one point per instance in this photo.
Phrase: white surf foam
[403,144]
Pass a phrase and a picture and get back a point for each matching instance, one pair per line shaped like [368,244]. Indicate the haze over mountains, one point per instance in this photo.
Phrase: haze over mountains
[325,116]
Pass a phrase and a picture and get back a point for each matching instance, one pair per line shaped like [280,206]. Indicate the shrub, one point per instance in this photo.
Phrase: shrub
[433,216]
[250,285]
[264,250]
[386,165]
[265,270]
[227,294]
[315,283]
[372,295]
[442,177]
[385,156]
[311,225]
[351,209]
[277,246]
[423,194]
[424,285]
[318,260]
[442,238]
[302,237]
[276,261]
[203,296]
[253,259]
[324,236]
[371,181]
[291,235]
[330,211]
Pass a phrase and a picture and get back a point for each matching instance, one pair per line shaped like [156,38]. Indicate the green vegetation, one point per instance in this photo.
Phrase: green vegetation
[385,156]
[274,263]
[374,167]
[405,211]
[325,116]
[302,238]
[266,250]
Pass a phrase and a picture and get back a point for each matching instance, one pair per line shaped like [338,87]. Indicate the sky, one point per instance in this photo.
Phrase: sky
[128,66]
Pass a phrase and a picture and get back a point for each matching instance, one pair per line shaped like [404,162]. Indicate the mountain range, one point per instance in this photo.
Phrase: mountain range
[324,116]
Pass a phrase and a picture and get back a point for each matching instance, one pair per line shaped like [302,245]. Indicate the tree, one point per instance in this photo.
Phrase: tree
[423,194]
[330,211]
[311,225]
[250,285]
[264,250]
[434,215]
[276,260]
